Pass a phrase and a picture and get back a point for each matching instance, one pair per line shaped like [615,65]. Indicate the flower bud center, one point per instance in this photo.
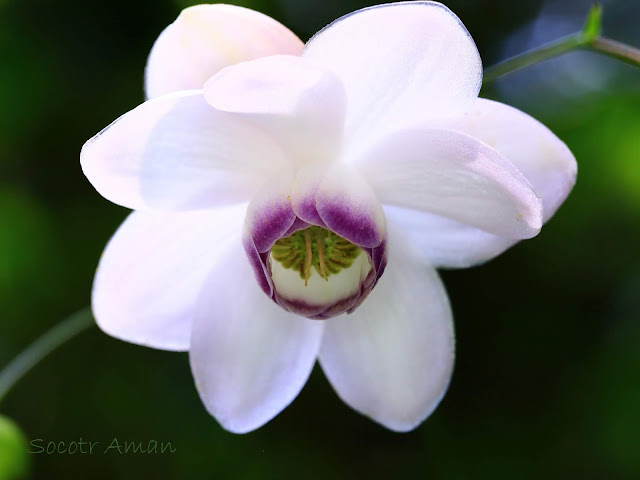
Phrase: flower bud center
[317,248]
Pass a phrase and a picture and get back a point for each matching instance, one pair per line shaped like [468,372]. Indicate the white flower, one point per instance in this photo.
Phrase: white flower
[309,168]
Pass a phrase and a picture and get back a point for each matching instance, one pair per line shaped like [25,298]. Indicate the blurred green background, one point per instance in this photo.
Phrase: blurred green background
[547,380]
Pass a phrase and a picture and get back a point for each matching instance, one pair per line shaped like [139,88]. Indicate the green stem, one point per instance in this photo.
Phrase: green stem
[47,343]
[534,56]
[589,38]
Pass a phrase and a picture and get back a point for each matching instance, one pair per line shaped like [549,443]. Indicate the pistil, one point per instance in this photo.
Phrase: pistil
[320,244]
[308,256]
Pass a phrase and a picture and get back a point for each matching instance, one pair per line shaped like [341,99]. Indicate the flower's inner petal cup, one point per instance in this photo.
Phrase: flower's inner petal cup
[249,357]
[175,152]
[392,358]
[302,104]
[541,156]
[349,207]
[150,274]
[402,64]
[445,242]
[453,175]
[206,38]
[317,268]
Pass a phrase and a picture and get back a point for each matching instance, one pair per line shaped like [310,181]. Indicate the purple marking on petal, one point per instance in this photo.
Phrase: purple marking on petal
[263,276]
[308,310]
[299,307]
[305,209]
[269,223]
[379,257]
[297,225]
[350,222]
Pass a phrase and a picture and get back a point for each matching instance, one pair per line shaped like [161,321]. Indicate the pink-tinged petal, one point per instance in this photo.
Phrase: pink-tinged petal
[349,207]
[445,242]
[206,38]
[249,357]
[152,270]
[456,176]
[299,102]
[402,64]
[176,152]
[541,156]
[270,215]
[393,357]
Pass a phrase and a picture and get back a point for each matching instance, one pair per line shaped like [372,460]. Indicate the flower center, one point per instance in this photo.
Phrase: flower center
[316,248]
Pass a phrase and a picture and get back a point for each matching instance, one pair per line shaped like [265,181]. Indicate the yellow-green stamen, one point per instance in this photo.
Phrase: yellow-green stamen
[328,254]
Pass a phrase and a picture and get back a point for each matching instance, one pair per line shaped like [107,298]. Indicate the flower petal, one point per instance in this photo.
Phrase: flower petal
[300,103]
[347,206]
[402,64]
[249,357]
[392,358]
[540,155]
[206,38]
[177,153]
[451,174]
[445,242]
[543,159]
[270,215]
[304,190]
[152,270]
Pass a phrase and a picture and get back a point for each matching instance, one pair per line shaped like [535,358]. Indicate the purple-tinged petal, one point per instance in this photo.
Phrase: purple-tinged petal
[270,216]
[349,207]
[451,174]
[541,156]
[258,263]
[304,190]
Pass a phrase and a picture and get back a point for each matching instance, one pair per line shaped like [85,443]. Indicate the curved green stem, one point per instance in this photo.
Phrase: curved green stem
[589,38]
[534,56]
[47,343]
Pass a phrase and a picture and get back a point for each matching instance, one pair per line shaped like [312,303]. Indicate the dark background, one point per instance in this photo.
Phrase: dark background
[547,379]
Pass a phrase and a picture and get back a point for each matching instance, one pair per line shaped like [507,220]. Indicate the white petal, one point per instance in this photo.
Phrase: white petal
[300,103]
[541,156]
[175,152]
[152,271]
[392,358]
[249,357]
[451,174]
[543,159]
[447,243]
[401,64]
[206,38]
